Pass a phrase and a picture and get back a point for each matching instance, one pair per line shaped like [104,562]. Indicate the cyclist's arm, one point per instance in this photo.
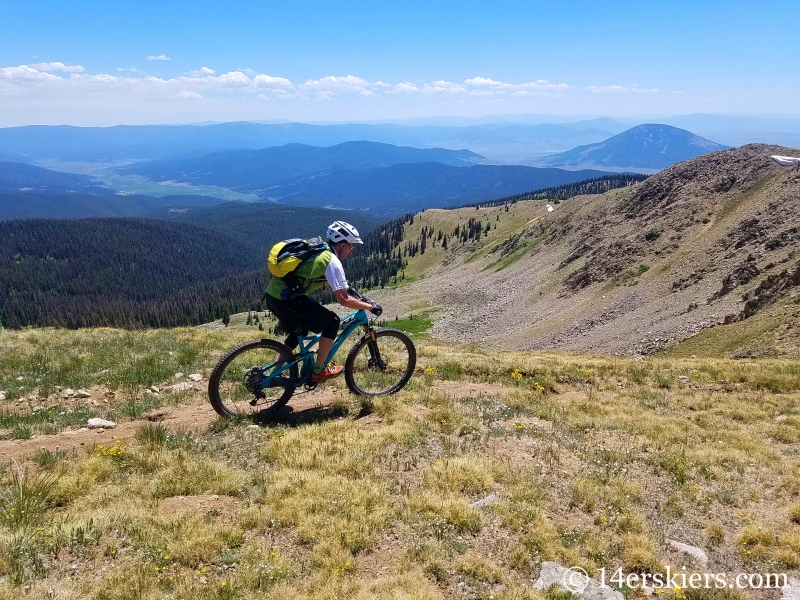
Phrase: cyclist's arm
[348,301]
[334,273]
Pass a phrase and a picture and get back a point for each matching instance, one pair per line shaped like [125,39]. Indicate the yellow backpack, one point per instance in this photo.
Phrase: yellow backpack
[286,257]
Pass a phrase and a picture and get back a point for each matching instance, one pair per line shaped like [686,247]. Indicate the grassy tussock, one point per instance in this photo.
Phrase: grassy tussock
[596,460]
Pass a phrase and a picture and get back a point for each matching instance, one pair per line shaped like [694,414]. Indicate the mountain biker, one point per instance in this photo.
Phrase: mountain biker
[295,309]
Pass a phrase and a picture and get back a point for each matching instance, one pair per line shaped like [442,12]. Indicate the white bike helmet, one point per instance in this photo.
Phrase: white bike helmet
[341,231]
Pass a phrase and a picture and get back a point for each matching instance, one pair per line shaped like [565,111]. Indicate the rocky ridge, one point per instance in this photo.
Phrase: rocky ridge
[704,242]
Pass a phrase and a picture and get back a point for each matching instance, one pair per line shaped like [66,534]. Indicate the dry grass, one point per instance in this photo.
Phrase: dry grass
[596,461]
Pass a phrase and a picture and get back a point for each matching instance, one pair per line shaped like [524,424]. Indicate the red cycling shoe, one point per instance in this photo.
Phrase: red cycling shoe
[326,373]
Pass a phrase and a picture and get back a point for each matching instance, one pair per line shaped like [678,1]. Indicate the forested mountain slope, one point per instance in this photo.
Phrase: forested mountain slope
[19,177]
[254,169]
[412,187]
[121,272]
[387,180]
[135,272]
[31,205]
[638,269]
[261,225]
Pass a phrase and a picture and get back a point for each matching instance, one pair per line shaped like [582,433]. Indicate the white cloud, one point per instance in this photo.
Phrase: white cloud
[159,57]
[404,88]
[327,86]
[187,95]
[443,87]
[543,84]
[58,66]
[484,86]
[200,72]
[272,82]
[606,89]
[232,79]
[380,83]
[26,75]
[483,81]
[611,89]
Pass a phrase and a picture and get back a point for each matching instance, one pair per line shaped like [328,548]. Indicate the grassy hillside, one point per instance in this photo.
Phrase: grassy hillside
[706,244]
[596,462]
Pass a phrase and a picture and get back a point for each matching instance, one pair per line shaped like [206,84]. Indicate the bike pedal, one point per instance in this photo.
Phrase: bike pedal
[309,386]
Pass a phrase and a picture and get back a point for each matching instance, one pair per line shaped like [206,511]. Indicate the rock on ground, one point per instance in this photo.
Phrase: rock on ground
[792,591]
[183,386]
[490,499]
[696,554]
[97,423]
[574,581]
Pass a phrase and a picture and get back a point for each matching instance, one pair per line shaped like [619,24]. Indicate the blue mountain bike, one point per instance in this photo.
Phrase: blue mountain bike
[260,376]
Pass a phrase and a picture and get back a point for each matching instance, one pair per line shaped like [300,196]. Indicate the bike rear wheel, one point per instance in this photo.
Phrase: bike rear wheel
[380,367]
[229,390]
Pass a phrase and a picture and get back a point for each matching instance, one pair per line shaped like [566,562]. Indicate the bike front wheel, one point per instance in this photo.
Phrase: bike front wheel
[233,385]
[382,366]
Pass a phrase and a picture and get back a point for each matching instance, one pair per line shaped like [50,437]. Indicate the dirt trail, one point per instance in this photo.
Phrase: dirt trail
[193,415]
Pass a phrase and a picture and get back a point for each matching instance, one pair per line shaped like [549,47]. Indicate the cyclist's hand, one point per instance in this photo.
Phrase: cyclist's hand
[376,309]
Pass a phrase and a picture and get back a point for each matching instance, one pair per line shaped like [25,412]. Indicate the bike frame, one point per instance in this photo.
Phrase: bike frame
[275,378]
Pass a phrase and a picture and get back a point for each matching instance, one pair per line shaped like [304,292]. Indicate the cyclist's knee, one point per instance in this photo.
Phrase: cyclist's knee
[332,328]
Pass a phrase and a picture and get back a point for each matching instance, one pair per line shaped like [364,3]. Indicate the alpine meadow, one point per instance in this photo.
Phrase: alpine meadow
[412,301]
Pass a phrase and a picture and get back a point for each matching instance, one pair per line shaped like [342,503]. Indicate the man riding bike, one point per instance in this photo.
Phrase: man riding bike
[295,309]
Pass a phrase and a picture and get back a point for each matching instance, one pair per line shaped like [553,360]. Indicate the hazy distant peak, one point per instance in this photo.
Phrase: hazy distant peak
[647,146]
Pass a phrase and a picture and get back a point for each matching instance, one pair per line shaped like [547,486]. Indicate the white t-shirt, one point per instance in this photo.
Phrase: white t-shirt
[334,273]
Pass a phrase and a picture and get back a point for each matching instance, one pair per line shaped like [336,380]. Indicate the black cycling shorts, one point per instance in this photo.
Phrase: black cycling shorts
[306,313]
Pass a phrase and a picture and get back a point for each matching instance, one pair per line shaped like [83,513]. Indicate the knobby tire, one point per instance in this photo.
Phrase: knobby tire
[400,355]
[226,390]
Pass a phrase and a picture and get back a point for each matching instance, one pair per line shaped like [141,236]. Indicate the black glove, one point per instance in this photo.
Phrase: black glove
[376,309]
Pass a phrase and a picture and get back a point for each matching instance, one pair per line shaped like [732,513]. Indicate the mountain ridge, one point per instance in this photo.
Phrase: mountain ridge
[636,270]
[324,176]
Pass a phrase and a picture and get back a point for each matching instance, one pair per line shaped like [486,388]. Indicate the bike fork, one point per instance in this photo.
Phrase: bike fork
[374,351]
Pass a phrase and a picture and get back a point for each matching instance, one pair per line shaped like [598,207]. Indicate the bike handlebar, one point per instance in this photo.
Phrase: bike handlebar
[354,292]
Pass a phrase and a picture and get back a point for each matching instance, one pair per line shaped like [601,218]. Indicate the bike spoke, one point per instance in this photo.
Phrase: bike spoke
[384,371]
[238,381]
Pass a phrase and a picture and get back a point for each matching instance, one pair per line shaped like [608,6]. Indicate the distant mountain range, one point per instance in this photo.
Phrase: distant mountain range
[510,139]
[388,180]
[500,141]
[648,147]
[254,169]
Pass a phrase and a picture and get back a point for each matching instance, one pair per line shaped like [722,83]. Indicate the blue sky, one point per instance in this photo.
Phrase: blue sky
[97,63]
